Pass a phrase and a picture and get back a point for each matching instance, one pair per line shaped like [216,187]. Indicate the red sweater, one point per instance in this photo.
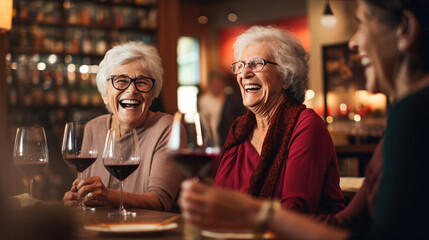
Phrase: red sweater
[309,179]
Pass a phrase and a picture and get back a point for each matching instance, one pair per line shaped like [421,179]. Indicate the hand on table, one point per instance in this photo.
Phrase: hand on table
[92,191]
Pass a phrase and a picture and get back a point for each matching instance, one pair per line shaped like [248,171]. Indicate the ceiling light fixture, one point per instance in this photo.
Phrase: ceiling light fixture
[232,17]
[328,20]
[203,19]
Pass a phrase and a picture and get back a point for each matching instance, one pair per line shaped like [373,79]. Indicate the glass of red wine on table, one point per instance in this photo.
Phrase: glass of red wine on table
[30,153]
[79,151]
[121,157]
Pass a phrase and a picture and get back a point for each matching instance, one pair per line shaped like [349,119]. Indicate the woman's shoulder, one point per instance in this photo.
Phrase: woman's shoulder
[160,120]
[100,121]
[161,117]
[308,115]
[311,123]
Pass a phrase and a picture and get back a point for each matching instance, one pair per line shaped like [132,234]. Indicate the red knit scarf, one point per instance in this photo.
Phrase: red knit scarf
[274,149]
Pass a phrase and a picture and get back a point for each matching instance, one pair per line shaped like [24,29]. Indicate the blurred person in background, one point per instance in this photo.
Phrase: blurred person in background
[279,148]
[129,78]
[221,104]
[392,42]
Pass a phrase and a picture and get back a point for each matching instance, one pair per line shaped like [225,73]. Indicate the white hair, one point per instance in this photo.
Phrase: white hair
[291,57]
[130,52]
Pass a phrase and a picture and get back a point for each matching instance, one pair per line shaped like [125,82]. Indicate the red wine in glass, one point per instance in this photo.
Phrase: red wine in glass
[193,144]
[79,164]
[121,157]
[79,150]
[194,163]
[121,172]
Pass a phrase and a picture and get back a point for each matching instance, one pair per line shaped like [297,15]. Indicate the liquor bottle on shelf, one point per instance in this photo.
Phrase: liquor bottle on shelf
[39,38]
[96,99]
[50,98]
[73,86]
[13,88]
[36,89]
[143,19]
[87,44]
[85,17]
[101,44]
[84,91]
[61,86]
[153,18]
[23,11]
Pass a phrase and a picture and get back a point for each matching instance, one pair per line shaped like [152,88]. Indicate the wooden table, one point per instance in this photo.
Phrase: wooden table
[101,216]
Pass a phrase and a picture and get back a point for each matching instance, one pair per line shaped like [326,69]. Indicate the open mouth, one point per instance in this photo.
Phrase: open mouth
[365,61]
[129,104]
[252,87]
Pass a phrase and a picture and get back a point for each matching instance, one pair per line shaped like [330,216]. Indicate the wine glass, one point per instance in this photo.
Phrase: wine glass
[30,152]
[194,147]
[199,150]
[79,151]
[121,157]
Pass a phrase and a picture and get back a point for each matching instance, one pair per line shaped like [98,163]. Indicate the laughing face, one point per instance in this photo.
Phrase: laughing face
[130,106]
[260,90]
[377,46]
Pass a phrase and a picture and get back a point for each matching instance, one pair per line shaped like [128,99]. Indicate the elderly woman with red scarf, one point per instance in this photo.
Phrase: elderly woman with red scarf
[279,148]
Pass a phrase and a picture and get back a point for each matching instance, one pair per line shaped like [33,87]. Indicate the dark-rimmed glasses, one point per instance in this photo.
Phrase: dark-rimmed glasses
[142,83]
[256,65]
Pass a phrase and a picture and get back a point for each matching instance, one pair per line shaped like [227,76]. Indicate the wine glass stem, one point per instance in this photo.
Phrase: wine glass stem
[121,205]
[79,174]
[31,187]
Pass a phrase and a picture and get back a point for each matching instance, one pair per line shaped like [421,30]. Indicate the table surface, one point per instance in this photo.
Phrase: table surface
[101,216]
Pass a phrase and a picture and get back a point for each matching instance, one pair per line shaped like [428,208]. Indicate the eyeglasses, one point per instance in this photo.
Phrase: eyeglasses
[142,83]
[256,65]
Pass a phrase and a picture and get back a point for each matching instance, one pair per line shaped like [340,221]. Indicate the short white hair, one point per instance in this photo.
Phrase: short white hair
[130,52]
[291,57]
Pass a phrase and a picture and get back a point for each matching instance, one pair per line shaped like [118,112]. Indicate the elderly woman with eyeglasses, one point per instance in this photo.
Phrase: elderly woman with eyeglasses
[129,78]
[279,148]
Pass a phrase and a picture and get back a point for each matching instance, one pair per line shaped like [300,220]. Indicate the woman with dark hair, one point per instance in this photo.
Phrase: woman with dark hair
[391,41]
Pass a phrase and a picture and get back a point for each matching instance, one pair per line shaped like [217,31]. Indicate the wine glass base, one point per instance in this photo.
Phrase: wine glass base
[84,209]
[122,214]
[87,209]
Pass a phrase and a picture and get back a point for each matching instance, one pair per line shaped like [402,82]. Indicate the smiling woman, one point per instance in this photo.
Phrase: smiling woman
[279,148]
[129,78]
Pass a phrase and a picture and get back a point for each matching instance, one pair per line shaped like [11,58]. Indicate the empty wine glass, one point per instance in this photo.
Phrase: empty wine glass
[194,154]
[121,157]
[30,152]
[79,150]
